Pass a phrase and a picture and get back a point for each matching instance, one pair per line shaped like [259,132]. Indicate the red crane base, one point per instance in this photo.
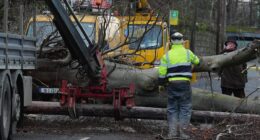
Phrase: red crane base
[70,95]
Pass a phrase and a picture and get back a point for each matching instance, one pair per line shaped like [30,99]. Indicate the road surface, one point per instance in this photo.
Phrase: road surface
[100,136]
[59,127]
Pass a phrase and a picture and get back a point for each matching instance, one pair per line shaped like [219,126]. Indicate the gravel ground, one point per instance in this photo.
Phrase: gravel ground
[56,127]
[60,123]
[59,127]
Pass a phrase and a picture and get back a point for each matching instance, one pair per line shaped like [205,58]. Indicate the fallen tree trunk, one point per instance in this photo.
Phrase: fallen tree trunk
[146,82]
[204,100]
[223,115]
[54,108]
[201,100]
[216,62]
[207,63]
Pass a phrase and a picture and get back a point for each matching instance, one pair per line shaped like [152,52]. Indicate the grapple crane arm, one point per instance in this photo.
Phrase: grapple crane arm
[73,40]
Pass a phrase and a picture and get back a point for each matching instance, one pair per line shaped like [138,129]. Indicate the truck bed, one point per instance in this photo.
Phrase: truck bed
[17,52]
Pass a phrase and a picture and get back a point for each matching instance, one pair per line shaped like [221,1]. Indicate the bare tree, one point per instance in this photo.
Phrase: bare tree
[1,14]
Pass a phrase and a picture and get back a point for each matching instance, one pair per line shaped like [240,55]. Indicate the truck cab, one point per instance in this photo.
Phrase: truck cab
[148,40]
[45,27]
[144,37]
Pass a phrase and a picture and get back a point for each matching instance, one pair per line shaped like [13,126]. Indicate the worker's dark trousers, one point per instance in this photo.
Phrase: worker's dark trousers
[240,92]
[179,105]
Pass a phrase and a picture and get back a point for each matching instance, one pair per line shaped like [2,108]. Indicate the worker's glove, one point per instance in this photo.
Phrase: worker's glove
[161,89]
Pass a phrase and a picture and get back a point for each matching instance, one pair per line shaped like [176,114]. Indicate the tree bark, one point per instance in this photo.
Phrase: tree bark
[1,14]
[203,100]
[251,2]
[54,108]
[147,86]
[145,80]
[216,62]
[221,21]
[193,28]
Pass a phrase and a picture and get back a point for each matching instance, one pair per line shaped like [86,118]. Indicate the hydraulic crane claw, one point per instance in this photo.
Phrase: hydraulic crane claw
[91,62]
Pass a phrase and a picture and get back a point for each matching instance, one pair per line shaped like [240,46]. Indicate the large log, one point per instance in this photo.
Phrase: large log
[146,81]
[216,62]
[207,63]
[205,100]
[54,108]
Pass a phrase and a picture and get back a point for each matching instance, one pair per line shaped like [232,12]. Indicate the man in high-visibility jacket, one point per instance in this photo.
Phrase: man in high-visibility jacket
[175,70]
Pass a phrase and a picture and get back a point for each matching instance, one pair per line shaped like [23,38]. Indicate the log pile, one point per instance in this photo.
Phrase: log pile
[54,108]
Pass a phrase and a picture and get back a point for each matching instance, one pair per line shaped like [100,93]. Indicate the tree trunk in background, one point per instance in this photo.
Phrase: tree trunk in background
[258,13]
[218,28]
[14,9]
[236,6]
[231,11]
[1,14]
[14,13]
[193,29]
[251,18]
[221,25]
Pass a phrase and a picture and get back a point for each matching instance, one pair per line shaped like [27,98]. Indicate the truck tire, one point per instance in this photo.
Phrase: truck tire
[18,109]
[17,114]
[6,107]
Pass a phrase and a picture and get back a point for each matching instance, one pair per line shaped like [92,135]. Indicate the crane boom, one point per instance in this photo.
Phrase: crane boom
[92,63]
[73,40]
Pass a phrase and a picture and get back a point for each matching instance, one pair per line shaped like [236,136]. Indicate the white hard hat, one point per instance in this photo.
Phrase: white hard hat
[177,38]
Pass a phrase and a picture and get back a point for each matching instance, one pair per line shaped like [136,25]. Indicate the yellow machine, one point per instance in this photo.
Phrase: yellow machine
[45,27]
[144,38]
[147,39]
[148,36]
[153,45]
[93,26]
[108,30]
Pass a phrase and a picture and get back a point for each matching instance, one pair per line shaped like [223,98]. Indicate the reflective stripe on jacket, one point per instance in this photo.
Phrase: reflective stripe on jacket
[176,64]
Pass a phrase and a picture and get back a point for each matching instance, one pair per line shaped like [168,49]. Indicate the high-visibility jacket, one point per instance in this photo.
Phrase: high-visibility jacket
[176,64]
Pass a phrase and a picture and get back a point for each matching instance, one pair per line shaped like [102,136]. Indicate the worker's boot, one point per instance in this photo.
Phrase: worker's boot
[183,134]
[172,132]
